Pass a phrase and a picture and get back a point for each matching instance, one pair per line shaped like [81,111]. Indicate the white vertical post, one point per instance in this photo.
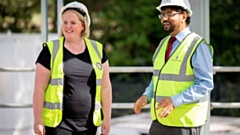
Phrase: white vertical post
[200,25]
[200,18]
[44,12]
[59,6]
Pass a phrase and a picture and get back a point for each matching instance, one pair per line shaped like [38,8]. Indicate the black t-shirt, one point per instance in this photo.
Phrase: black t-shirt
[79,88]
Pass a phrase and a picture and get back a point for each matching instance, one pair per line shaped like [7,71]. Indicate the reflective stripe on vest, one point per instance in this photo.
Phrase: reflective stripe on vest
[172,78]
[52,111]
[94,47]
[182,75]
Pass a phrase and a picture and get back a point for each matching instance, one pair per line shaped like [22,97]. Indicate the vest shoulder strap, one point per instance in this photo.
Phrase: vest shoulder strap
[97,47]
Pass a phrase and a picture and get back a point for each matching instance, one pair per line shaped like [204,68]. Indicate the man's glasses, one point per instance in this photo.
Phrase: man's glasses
[167,15]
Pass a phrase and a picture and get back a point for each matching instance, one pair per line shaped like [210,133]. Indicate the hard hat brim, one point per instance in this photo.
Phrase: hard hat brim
[76,5]
[165,5]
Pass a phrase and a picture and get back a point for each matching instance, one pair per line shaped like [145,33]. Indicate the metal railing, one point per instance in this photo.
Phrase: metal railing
[125,69]
[128,70]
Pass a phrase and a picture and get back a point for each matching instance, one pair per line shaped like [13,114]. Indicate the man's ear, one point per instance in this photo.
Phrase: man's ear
[184,15]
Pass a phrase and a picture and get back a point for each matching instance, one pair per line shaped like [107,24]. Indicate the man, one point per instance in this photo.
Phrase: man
[182,76]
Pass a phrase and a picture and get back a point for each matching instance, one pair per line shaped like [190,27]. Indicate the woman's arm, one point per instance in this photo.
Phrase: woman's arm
[42,76]
[106,98]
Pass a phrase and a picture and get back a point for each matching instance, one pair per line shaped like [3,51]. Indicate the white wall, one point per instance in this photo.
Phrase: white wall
[16,88]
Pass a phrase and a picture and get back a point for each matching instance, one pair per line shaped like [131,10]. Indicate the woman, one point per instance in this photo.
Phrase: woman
[72,93]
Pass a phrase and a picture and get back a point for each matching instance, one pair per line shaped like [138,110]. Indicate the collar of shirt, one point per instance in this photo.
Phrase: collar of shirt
[179,38]
[182,34]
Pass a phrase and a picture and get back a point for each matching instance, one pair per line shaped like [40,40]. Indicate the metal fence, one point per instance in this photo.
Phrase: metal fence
[216,69]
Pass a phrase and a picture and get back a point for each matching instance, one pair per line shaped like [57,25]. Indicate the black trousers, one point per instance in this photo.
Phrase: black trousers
[62,131]
[159,129]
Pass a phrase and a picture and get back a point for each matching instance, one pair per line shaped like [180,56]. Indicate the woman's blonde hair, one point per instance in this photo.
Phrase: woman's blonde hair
[86,31]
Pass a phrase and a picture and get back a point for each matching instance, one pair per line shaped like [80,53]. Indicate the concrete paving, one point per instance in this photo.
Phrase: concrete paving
[139,125]
[224,125]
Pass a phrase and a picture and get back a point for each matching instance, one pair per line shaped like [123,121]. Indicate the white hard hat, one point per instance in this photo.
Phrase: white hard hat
[79,6]
[181,3]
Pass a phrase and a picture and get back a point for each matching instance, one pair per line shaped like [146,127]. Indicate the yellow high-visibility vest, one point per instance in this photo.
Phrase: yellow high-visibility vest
[172,78]
[53,100]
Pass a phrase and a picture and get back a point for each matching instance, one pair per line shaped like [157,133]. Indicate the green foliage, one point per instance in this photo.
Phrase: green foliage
[16,15]
[129,30]
[225,31]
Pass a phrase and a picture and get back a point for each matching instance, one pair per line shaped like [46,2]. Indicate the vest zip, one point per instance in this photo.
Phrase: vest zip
[156,91]
[158,80]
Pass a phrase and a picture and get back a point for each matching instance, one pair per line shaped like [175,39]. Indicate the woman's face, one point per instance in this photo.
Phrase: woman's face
[71,25]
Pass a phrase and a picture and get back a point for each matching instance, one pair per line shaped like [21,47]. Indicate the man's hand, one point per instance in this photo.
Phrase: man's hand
[167,105]
[139,104]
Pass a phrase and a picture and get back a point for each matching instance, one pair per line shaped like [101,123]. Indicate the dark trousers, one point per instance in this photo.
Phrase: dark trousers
[159,129]
[62,131]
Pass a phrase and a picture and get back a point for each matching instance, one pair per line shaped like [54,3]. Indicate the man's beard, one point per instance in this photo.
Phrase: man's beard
[169,30]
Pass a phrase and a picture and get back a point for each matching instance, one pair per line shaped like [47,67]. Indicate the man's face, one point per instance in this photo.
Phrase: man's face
[171,20]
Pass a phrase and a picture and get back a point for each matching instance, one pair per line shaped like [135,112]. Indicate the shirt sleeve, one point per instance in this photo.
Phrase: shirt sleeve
[149,91]
[202,67]
[104,58]
[44,57]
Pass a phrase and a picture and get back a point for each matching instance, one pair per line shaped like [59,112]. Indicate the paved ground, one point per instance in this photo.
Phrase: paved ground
[224,126]
[139,125]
